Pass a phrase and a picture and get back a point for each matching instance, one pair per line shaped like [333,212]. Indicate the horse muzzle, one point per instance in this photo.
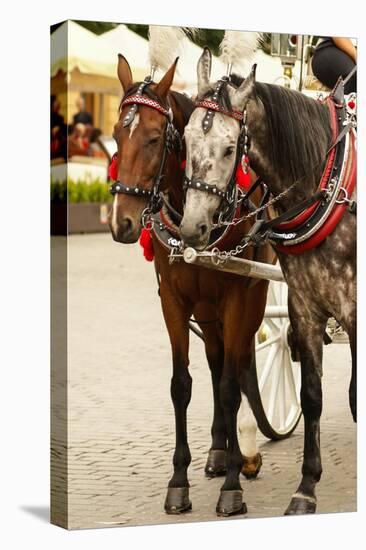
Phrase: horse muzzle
[195,235]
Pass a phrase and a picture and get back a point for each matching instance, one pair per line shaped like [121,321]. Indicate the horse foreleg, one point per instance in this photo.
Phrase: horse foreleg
[216,460]
[243,314]
[353,384]
[247,428]
[176,317]
[230,501]
[309,339]
[351,328]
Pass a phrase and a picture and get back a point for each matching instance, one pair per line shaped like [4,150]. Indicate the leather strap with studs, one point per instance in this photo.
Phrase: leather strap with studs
[204,187]
[120,188]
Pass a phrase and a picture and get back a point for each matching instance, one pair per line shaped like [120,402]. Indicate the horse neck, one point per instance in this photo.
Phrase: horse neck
[277,174]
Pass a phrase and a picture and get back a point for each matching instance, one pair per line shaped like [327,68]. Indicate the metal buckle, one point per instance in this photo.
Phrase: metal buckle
[329,191]
[147,221]
[345,199]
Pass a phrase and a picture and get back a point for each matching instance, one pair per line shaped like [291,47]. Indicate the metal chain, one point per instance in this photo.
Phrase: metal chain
[221,256]
[236,221]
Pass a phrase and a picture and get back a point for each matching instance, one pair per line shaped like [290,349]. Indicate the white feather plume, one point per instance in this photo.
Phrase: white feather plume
[238,47]
[165,44]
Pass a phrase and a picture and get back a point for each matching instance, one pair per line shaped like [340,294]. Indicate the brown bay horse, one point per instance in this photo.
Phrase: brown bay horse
[234,304]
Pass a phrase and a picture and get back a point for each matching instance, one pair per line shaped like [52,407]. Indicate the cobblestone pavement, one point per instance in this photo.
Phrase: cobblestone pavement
[121,424]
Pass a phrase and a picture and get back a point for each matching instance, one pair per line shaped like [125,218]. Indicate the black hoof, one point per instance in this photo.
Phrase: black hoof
[301,505]
[177,500]
[251,466]
[216,463]
[230,503]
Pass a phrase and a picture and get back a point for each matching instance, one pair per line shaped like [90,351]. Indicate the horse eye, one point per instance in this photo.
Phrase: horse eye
[153,141]
[229,151]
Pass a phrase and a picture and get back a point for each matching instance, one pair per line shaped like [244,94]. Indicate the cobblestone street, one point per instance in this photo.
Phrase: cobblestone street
[121,422]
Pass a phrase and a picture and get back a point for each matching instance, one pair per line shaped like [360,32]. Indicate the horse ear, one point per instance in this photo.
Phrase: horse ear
[245,90]
[163,86]
[204,71]
[124,73]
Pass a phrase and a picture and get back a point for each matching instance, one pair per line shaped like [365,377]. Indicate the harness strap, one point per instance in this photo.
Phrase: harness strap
[350,75]
[170,208]
[214,106]
[295,209]
[341,135]
[146,101]
[122,188]
[199,185]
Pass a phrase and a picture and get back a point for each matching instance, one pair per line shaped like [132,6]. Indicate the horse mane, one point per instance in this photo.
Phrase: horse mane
[298,126]
[299,129]
[185,104]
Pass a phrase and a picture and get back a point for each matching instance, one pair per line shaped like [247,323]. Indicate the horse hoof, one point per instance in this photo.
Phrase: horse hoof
[300,505]
[216,463]
[251,466]
[177,500]
[230,503]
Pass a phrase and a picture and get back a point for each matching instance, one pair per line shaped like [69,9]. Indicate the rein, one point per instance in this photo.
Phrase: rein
[172,140]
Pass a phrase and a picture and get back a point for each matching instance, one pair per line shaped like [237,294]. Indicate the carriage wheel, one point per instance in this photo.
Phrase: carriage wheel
[276,379]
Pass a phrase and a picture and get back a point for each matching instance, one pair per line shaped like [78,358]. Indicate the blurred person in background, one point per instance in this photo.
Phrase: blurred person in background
[334,57]
[78,143]
[96,145]
[58,131]
[82,116]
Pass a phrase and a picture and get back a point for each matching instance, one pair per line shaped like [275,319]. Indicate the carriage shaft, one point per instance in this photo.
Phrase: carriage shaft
[239,266]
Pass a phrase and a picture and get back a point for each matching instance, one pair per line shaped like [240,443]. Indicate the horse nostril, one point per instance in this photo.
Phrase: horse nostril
[126,225]
[202,229]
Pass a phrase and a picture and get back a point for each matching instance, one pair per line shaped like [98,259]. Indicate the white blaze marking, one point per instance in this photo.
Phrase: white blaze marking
[134,124]
[114,214]
[247,426]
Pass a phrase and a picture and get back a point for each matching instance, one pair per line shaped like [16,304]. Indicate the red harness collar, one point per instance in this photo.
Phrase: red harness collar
[301,218]
[348,185]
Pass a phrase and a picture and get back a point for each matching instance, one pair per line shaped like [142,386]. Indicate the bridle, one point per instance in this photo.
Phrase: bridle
[172,140]
[229,197]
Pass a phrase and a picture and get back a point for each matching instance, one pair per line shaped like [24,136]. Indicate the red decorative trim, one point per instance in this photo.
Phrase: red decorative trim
[113,168]
[242,179]
[214,106]
[142,100]
[147,244]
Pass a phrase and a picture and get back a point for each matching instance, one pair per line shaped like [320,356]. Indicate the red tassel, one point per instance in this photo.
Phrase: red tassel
[242,179]
[147,244]
[113,168]
[351,104]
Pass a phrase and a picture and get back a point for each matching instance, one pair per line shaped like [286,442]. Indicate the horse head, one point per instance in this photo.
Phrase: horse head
[144,134]
[213,137]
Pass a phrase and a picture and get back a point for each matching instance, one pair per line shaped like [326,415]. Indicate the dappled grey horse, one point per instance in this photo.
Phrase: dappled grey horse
[304,150]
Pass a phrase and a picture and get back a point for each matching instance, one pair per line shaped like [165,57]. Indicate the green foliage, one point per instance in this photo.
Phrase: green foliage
[58,191]
[142,30]
[80,191]
[97,27]
[210,38]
